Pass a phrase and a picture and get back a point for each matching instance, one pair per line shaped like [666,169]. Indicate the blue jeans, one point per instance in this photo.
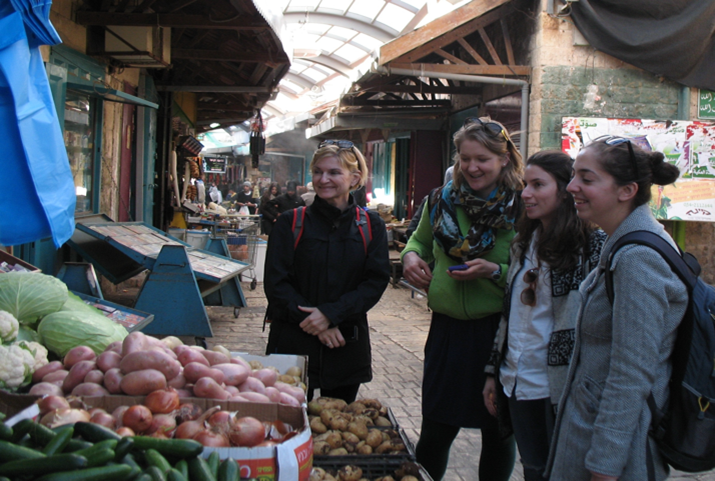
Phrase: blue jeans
[533,423]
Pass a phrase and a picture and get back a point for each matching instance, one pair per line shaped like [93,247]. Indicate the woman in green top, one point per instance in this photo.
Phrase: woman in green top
[469,222]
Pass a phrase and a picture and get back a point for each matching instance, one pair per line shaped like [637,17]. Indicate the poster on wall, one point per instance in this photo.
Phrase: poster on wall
[690,145]
[215,165]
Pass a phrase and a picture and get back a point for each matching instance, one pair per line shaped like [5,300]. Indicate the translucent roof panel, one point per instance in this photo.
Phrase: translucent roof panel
[329,45]
[371,43]
[367,8]
[349,53]
[292,86]
[314,74]
[342,33]
[395,17]
[298,5]
[333,6]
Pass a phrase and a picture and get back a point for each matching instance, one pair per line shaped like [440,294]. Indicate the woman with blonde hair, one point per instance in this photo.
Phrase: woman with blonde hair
[466,230]
[327,265]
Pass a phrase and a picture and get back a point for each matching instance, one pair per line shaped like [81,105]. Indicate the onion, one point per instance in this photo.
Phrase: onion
[188,429]
[125,431]
[138,418]
[62,416]
[103,419]
[50,403]
[118,415]
[220,420]
[162,401]
[188,412]
[247,431]
[212,438]
[162,424]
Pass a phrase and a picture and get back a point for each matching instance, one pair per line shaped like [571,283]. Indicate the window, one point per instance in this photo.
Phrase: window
[79,141]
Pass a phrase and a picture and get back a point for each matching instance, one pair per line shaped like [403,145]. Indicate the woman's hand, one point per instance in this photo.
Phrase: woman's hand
[602,477]
[416,271]
[490,394]
[478,268]
[332,338]
[315,323]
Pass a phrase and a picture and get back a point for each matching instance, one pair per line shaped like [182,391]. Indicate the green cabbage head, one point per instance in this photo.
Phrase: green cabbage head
[29,296]
[63,330]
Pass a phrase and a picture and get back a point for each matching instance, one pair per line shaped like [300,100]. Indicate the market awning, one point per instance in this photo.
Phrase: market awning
[112,95]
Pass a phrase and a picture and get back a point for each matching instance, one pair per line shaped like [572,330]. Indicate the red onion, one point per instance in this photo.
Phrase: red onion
[50,403]
[102,418]
[247,431]
[118,414]
[188,429]
[138,418]
[212,438]
[125,431]
[188,412]
[162,423]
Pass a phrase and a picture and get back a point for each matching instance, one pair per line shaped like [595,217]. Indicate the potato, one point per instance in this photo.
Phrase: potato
[215,357]
[371,403]
[255,397]
[113,380]
[363,448]
[95,375]
[194,371]
[294,371]
[373,438]
[321,448]
[254,385]
[267,376]
[46,369]
[338,452]
[46,388]
[350,437]
[135,341]
[77,374]
[89,389]
[339,423]
[234,374]
[349,473]
[151,359]
[77,354]
[141,383]
[208,388]
[57,377]
[317,474]
[409,478]
[317,426]
[327,415]
[334,439]
[108,360]
[356,407]
[383,422]
[256,364]
[222,350]
[359,429]
[314,407]
[188,355]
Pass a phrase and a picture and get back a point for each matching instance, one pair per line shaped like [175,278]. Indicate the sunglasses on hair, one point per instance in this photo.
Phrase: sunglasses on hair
[342,144]
[528,295]
[613,141]
[492,128]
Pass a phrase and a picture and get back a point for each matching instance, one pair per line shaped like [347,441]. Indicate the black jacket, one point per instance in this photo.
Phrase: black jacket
[328,270]
[245,198]
[285,202]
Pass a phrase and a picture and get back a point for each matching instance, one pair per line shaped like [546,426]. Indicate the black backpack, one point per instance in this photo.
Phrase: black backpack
[685,430]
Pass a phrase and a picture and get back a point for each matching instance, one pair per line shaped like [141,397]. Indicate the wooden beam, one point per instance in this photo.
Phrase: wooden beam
[450,57]
[219,56]
[492,51]
[470,50]
[183,4]
[395,103]
[507,42]
[437,28]
[461,32]
[501,70]
[169,20]
[145,5]
[258,73]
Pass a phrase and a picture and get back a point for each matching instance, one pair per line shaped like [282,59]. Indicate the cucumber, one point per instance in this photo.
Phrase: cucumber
[143,477]
[183,467]
[40,434]
[95,432]
[105,473]
[154,458]
[175,475]
[213,461]
[58,443]
[199,470]
[155,473]
[46,465]
[100,457]
[21,429]
[12,452]
[123,447]
[178,448]
[76,444]
[5,432]
[228,471]
[106,444]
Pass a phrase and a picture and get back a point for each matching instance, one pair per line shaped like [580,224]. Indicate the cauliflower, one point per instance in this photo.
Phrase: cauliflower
[38,351]
[8,327]
[15,366]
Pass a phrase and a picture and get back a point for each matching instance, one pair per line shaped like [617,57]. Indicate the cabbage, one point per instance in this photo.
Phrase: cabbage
[28,295]
[27,334]
[76,304]
[63,330]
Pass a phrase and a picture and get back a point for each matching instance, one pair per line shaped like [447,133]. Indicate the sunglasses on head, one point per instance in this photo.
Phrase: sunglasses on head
[492,128]
[341,144]
[528,295]
[613,141]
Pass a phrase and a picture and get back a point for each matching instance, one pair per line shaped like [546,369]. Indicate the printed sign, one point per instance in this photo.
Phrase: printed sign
[706,104]
[215,165]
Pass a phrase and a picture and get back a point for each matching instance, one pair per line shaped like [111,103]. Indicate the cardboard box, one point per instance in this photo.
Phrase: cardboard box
[12,260]
[280,361]
[289,461]
[12,403]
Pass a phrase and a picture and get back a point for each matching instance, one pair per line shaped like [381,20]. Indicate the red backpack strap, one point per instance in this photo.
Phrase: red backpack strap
[297,226]
[363,222]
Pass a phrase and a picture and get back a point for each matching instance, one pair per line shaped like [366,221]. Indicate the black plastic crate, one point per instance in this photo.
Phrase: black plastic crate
[404,456]
[377,467]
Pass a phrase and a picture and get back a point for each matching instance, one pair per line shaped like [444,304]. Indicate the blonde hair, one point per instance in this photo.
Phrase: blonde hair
[512,174]
[350,158]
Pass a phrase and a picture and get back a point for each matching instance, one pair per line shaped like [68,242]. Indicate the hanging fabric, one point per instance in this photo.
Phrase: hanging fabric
[38,199]
[257,140]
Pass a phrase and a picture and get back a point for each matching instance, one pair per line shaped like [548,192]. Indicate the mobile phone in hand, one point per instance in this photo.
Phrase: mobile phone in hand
[460,267]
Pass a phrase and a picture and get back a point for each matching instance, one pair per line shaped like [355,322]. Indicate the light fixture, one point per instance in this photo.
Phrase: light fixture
[214,125]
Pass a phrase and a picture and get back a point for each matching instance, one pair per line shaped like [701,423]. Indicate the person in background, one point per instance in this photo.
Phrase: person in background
[310,195]
[622,352]
[469,223]
[230,196]
[551,254]
[267,208]
[246,199]
[290,200]
[214,195]
[200,190]
[320,290]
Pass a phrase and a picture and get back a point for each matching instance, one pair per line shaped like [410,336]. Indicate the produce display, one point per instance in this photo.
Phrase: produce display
[141,364]
[361,427]
[407,471]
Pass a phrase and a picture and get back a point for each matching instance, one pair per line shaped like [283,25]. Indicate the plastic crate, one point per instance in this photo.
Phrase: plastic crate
[377,468]
[408,455]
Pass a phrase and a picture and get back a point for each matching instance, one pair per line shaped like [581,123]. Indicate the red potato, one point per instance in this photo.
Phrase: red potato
[178,382]
[293,391]
[57,377]
[96,376]
[267,376]
[77,354]
[232,390]
[233,374]
[113,380]
[46,389]
[142,360]
[184,393]
[46,369]
[165,350]
[141,383]
[194,371]
[135,341]
[207,388]
[253,385]
[89,389]
[77,374]
[242,362]
[273,394]
[116,346]
[255,397]
[189,355]
[108,360]
[214,357]
[289,400]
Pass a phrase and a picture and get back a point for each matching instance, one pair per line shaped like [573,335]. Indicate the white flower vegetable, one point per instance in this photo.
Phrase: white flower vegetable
[38,351]
[8,327]
[15,362]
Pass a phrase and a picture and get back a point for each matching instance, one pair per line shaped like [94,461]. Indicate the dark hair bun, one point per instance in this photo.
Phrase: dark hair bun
[663,173]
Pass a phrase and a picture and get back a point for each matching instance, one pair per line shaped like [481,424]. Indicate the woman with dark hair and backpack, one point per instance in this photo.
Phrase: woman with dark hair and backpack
[623,348]
[551,254]
[326,266]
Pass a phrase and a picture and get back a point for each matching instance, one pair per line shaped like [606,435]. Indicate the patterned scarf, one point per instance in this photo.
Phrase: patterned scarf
[499,211]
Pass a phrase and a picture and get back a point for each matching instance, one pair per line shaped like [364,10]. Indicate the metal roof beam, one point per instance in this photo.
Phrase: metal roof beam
[337,20]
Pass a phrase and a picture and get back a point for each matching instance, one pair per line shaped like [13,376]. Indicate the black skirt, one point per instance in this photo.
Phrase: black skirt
[455,355]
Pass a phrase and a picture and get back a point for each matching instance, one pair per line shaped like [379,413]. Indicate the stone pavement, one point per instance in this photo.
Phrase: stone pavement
[399,325]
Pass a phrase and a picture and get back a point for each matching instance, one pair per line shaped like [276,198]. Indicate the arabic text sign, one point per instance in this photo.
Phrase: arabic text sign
[706,104]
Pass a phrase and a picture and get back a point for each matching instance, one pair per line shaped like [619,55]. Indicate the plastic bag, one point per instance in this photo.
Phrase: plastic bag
[244,210]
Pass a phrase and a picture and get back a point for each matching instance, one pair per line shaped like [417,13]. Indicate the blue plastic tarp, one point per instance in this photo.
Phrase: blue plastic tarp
[37,197]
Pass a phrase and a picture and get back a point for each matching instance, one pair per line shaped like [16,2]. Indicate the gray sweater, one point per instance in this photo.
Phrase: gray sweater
[621,355]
